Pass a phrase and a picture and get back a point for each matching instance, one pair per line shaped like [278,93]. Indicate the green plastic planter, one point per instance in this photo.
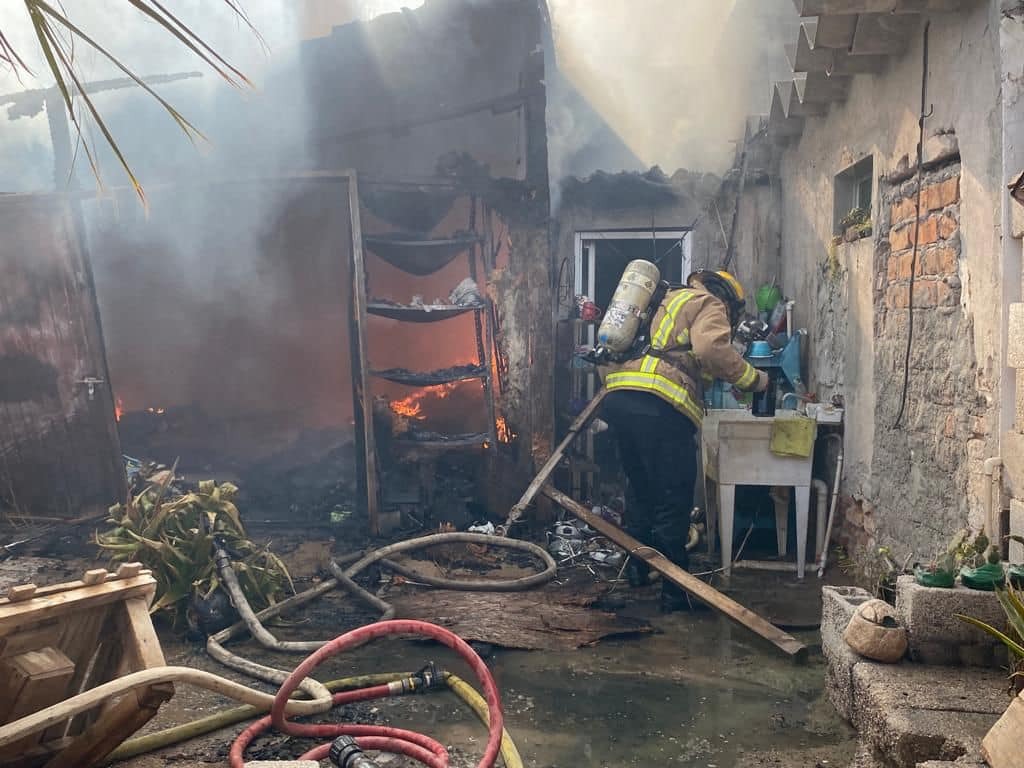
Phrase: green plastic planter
[927,578]
[986,577]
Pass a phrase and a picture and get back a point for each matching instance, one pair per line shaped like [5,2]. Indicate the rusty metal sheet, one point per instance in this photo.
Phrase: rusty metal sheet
[59,452]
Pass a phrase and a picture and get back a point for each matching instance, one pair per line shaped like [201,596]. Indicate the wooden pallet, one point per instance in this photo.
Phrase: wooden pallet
[58,641]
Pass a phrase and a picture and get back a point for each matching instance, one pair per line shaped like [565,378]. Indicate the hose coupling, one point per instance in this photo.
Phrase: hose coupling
[345,753]
[431,676]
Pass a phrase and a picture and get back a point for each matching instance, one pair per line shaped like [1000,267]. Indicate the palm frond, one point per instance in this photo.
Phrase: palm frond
[52,25]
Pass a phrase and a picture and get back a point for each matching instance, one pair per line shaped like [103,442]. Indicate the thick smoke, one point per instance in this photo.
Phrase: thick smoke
[660,82]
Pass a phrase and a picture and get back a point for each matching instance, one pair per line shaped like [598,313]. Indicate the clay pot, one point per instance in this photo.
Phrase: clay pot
[874,632]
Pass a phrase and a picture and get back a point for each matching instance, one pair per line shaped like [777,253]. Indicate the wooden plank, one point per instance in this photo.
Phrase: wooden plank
[95,576]
[21,592]
[83,639]
[15,615]
[584,418]
[30,682]
[784,642]
[68,586]
[142,648]
[1001,746]
[362,396]
[123,718]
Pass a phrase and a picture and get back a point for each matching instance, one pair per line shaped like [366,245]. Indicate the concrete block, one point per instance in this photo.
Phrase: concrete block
[911,713]
[1016,528]
[935,634]
[837,607]
[1015,337]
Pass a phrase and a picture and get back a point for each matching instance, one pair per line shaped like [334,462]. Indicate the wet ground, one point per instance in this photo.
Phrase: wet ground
[701,691]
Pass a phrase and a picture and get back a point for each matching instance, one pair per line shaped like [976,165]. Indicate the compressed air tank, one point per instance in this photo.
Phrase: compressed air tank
[629,302]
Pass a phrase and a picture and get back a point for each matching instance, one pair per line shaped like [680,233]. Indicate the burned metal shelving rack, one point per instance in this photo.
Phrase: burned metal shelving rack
[419,255]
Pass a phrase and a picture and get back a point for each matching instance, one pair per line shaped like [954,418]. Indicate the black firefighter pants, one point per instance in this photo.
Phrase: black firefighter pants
[658,450]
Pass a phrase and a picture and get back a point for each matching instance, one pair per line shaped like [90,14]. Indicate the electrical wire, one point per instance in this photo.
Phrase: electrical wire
[922,116]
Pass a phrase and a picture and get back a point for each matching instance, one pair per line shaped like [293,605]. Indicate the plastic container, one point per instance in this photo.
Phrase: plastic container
[764,402]
[985,577]
[928,578]
[629,302]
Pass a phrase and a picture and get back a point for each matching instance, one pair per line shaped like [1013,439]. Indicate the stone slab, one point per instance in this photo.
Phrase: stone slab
[1015,337]
[1017,527]
[934,633]
[1012,451]
[912,713]
[837,607]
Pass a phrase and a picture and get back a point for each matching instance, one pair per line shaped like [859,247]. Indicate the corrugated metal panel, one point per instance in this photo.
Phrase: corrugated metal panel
[59,453]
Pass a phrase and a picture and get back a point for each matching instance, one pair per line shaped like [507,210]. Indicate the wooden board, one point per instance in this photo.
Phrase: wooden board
[72,637]
[550,619]
[705,592]
[1002,747]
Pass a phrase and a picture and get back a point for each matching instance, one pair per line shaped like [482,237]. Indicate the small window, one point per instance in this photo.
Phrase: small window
[852,198]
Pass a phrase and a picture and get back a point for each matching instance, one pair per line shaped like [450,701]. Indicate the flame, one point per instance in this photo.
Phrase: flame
[505,434]
[411,407]
[118,409]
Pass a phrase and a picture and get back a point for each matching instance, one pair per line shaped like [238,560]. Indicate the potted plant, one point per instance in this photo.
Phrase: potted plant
[982,566]
[1013,638]
[942,570]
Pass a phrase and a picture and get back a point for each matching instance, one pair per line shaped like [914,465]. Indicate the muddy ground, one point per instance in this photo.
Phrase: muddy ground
[699,691]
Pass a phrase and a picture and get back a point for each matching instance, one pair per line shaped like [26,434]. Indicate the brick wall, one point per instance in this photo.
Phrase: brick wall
[926,473]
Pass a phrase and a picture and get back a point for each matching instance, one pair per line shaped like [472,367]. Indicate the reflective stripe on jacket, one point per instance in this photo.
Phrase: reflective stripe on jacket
[691,341]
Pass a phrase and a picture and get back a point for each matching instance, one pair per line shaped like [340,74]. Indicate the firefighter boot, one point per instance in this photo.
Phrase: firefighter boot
[638,572]
[673,598]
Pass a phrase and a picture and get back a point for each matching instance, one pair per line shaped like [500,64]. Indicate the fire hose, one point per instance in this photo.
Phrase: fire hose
[421,748]
[140,745]
[253,622]
[322,698]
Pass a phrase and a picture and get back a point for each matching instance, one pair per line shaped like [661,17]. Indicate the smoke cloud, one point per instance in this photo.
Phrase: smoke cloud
[660,82]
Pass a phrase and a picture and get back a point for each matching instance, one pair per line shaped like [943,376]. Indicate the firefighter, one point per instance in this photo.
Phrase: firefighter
[655,407]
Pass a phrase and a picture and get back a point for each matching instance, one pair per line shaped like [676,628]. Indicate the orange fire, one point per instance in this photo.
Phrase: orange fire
[118,409]
[411,407]
[504,433]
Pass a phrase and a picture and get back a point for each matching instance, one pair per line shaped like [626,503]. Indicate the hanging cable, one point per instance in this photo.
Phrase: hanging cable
[922,116]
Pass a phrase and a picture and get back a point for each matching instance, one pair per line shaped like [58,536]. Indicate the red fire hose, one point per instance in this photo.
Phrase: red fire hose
[372,737]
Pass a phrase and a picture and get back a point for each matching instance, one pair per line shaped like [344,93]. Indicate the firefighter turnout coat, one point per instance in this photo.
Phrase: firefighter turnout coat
[691,344]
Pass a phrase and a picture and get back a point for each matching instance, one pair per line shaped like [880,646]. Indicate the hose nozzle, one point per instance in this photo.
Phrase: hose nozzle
[345,753]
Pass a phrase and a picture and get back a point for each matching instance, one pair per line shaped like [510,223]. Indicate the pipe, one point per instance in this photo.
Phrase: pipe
[832,508]
[789,318]
[821,494]
[413,745]
[989,468]
[93,697]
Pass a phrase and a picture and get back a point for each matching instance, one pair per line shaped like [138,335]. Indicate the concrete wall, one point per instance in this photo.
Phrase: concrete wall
[912,486]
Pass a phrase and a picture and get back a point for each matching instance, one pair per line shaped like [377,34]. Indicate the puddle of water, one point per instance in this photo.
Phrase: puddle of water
[701,693]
